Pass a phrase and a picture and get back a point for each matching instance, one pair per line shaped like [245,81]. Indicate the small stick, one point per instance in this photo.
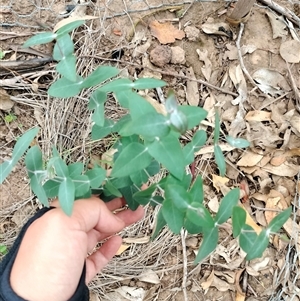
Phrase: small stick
[238,46]
[283,11]
[184,259]
[295,88]
[200,81]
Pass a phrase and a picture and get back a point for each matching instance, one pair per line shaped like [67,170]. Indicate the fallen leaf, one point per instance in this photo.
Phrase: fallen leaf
[206,70]
[210,149]
[214,204]
[206,284]
[232,53]
[192,91]
[290,51]
[122,249]
[149,276]
[165,32]
[249,159]
[250,221]
[240,295]
[238,79]
[284,170]
[5,102]
[210,27]
[258,116]
[218,182]
[278,25]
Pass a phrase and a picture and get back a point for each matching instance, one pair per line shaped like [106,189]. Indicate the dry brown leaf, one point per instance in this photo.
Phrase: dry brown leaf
[221,285]
[214,204]
[290,51]
[218,182]
[258,116]
[207,69]
[250,221]
[284,170]
[5,102]
[192,91]
[278,25]
[165,32]
[149,276]
[210,149]
[206,284]
[122,249]
[250,159]
[240,295]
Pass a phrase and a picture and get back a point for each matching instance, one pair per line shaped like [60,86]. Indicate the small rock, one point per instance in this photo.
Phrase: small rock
[192,33]
[161,55]
[178,55]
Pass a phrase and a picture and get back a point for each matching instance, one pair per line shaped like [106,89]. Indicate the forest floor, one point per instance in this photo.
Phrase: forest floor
[192,47]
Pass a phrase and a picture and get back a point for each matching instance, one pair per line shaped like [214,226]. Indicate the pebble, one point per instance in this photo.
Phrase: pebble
[178,55]
[192,33]
[161,55]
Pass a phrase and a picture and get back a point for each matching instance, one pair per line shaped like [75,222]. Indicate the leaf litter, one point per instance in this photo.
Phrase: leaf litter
[268,117]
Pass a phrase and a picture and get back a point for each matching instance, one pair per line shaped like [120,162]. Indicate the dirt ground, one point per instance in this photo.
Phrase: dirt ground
[263,108]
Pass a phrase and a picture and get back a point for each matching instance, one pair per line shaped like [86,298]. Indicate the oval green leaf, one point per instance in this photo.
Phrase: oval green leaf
[66,195]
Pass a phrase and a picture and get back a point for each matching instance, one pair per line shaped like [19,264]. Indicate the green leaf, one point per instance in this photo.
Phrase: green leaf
[167,151]
[199,215]
[128,193]
[65,88]
[138,105]
[100,75]
[191,227]
[170,180]
[171,104]
[196,192]
[66,195]
[140,177]
[199,139]
[208,245]
[3,250]
[96,176]
[179,121]
[238,220]
[217,128]
[63,47]
[133,157]
[143,196]
[122,122]
[160,223]
[227,203]
[278,221]
[38,190]
[121,182]
[112,189]
[237,142]
[247,238]
[117,85]
[97,99]
[150,125]
[148,83]
[69,27]
[98,132]
[194,115]
[41,38]
[67,67]
[99,117]
[178,196]
[61,168]
[156,200]
[82,185]
[173,216]
[51,188]
[220,160]
[188,153]
[259,245]
[34,161]
[19,149]
[75,169]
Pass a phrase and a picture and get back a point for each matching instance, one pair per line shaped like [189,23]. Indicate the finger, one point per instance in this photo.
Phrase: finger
[101,257]
[115,204]
[93,213]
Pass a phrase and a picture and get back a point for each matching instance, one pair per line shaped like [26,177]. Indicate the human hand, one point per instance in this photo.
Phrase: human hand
[54,249]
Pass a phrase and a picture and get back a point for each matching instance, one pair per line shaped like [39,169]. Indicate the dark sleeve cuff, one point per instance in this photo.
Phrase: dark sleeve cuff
[6,292]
